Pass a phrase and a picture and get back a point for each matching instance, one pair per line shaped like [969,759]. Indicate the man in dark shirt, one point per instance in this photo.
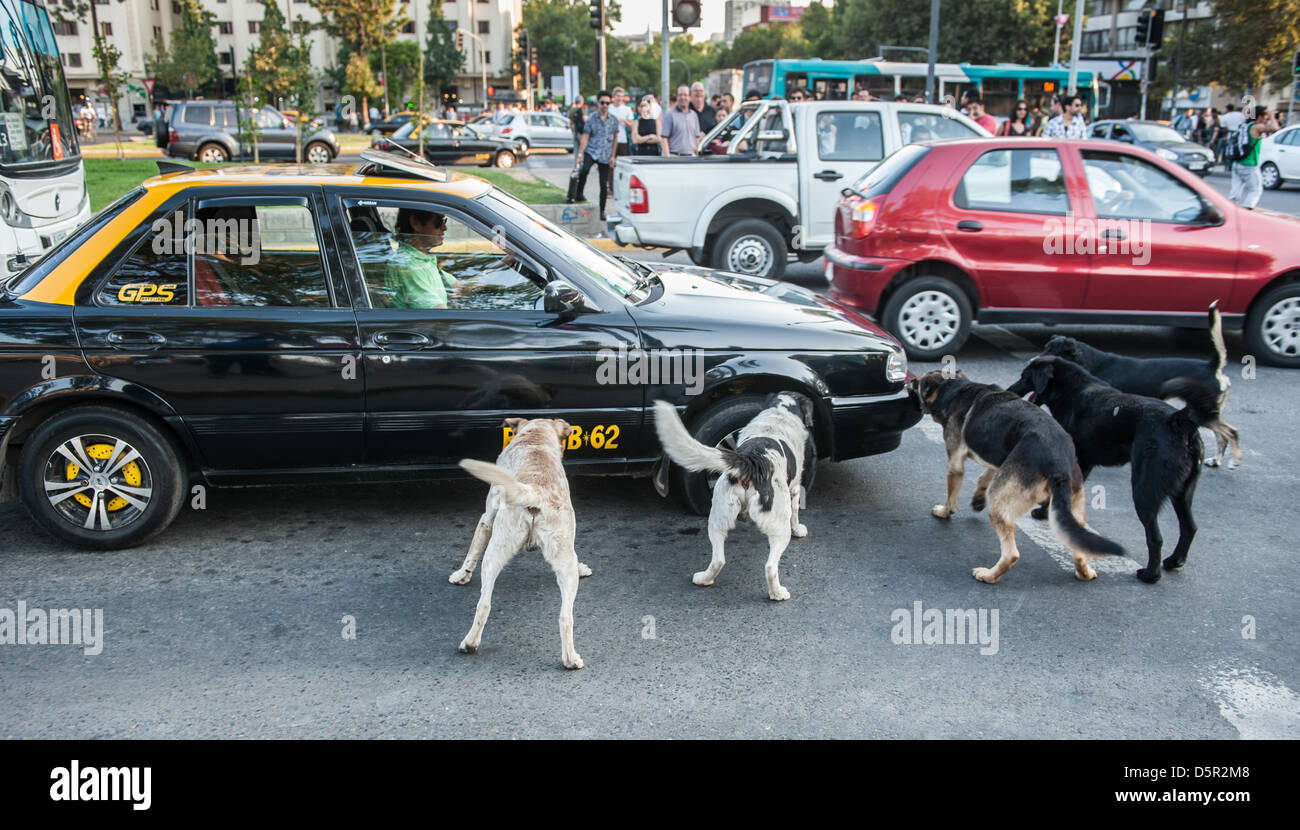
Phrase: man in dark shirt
[707,115]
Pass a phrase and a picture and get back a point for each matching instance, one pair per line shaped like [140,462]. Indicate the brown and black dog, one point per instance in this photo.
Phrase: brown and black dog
[1028,456]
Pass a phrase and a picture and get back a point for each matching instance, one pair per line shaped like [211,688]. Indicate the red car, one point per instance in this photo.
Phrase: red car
[941,234]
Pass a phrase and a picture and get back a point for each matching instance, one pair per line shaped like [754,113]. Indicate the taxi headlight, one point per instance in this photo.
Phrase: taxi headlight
[896,367]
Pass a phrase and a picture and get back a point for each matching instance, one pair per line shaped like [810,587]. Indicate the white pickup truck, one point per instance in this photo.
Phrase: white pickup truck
[767,180]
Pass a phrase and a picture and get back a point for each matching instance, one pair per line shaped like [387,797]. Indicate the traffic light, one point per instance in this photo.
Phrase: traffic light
[460,41]
[1150,28]
[598,15]
[532,61]
[686,13]
[1144,24]
[1295,66]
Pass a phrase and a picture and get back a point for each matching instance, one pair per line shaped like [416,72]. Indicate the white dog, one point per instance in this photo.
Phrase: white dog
[528,506]
[762,479]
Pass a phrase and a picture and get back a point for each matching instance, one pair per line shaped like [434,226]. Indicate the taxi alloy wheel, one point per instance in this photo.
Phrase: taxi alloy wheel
[318,153]
[101,477]
[213,154]
[505,158]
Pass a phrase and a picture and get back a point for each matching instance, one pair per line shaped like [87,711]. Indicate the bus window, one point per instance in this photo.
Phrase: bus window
[758,78]
[912,86]
[796,80]
[1000,96]
[830,89]
[881,87]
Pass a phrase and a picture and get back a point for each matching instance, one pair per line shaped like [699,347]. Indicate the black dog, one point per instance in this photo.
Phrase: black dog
[1147,376]
[1111,428]
[1028,457]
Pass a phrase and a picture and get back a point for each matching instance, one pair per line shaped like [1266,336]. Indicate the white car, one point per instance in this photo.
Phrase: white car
[767,181]
[1279,157]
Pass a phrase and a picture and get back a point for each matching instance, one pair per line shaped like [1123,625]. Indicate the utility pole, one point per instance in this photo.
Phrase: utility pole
[934,48]
[1178,61]
[1074,48]
[664,66]
[1056,50]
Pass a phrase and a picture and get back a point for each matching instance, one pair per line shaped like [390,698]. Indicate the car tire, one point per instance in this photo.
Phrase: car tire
[524,146]
[212,153]
[156,478]
[1273,327]
[1270,176]
[711,427]
[319,149]
[504,160]
[752,247]
[929,316]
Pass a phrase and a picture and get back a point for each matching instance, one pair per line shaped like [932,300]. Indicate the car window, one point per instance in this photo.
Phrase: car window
[269,119]
[436,131]
[537,120]
[155,272]
[262,255]
[197,115]
[457,266]
[1121,133]
[1126,187]
[1026,181]
[1100,130]
[929,126]
[558,121]
[850,136]
[1291,138]
[225,117]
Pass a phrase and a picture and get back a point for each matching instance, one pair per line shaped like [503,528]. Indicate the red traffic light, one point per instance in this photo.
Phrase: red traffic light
[532,69]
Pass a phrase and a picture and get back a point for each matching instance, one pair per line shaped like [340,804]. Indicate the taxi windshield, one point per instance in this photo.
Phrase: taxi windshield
[598,265]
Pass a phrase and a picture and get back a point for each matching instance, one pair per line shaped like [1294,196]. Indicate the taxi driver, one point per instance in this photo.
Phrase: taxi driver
[413,278]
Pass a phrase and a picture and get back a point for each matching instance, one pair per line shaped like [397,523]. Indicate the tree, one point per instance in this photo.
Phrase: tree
[274,58]
[360,83]
[1246,44]
[559,29]
[442,61]
[191,61]
[364,25]
[978,31]
[818,32]
[113,79]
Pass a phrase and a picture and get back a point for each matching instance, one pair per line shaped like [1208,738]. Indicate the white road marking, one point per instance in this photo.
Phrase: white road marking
[1040,532]
[1257,704]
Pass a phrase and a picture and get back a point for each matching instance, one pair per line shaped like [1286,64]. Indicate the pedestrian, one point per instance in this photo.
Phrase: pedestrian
[656,111]
[726,106]
[1247,186]
[707,115]
[626,120]
[1207,134]
[1017,126]
[681,126]
[862,94]
[599,135]
[1186,124]
[1232,119]
[1070,123]
[975,111]
[646,140]
[577,119]
[1057,108]
[796,96]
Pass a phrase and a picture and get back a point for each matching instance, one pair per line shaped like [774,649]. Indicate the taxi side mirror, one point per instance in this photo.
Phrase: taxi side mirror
[562,298]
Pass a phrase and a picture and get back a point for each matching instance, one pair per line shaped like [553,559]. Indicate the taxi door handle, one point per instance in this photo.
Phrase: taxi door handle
[404,340]
[134,338]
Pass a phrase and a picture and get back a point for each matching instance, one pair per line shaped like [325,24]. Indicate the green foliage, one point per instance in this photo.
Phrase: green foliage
[1248,43]
[190,63]
[362,24]
[556,25]
[442,62]
[282,66]
[976,31]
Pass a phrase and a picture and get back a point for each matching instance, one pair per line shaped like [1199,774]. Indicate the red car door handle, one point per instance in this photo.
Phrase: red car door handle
[969,225]
[1114,233]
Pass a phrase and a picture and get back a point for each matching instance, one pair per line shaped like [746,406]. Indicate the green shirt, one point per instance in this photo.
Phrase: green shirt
[1252,158]
[414,280]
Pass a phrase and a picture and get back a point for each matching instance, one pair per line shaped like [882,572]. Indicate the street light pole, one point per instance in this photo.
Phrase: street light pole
[934,48]
[1074,48]
[664,67]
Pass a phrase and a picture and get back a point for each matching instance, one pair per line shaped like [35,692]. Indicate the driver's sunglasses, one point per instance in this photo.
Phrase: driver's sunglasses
[440,223]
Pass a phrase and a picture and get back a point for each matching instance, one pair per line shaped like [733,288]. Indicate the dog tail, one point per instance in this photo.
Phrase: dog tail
[1220,358]
[516,493]
[681,446]
[1075,536]
[1202,404]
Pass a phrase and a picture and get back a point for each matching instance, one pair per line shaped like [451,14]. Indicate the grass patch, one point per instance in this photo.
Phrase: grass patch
[519,183]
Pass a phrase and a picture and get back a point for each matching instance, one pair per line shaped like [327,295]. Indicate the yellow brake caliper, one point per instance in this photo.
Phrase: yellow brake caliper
[102,452]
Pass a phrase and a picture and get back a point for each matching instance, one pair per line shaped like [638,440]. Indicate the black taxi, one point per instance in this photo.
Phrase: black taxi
[254,325]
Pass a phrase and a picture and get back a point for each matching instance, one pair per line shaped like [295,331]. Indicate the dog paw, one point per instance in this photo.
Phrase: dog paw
[1173,563]
[583,570]
[984,575]
[575,663]
[977,502]
[1039,512]
[1149,577]
[460,577]
[940,511]
[1211,462]
[466,648]
[702,578]
[1087,574]
[800,531]
[778,594]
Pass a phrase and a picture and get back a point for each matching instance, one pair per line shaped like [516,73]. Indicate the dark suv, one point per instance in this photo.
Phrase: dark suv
[208,131]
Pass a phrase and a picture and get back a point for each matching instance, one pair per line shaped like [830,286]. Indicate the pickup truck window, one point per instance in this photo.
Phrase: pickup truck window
[927,126]
[850,136]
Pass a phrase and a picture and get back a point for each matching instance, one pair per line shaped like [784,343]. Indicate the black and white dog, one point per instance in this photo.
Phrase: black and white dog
[1111,428]
[760,479]
[1147,376]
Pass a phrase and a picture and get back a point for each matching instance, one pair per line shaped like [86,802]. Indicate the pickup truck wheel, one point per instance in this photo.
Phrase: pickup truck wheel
[929,316]
[1273,327]
[751,247]
[99,477]
[716,426]
[213,153]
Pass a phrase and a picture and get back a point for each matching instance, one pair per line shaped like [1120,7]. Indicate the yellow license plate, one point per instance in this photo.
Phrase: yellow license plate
[599,437]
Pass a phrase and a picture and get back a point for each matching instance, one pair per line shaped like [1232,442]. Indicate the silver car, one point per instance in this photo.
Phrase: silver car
[536,129]
[208,131]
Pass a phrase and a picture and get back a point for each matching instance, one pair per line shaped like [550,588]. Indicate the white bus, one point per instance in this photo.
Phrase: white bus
[42,183]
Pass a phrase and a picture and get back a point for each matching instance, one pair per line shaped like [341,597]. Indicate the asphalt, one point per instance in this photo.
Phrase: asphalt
[231,623]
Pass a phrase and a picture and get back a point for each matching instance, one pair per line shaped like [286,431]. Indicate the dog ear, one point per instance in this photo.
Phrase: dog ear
[562,430]
[806,406]
[960,374]
[514,423]
[1041,372]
